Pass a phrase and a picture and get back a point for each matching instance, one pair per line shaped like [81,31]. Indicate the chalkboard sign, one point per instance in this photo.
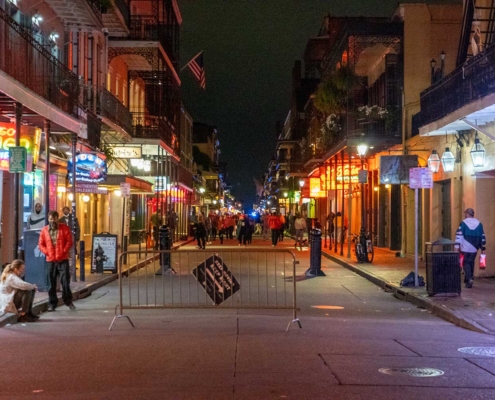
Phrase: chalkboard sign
[216,279]
[104,253]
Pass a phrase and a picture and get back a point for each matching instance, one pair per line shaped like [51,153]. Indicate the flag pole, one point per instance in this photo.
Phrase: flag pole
[190,60]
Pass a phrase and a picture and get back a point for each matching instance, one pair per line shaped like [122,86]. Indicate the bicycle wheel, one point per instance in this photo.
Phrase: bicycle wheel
[370,252]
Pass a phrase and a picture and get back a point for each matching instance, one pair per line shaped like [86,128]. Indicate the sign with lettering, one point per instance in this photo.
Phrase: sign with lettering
[127,151]
[89,168]
[90,188]
[29,139]
[420,178]
[125,189]
[17,159]
[216,279]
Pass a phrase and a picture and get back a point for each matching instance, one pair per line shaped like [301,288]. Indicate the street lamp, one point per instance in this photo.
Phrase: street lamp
[301,183]
[361,150]
[478,153]
[434,161]
[448,160]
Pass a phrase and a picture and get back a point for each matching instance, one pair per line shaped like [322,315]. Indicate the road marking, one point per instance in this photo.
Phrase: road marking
[328,307]
[414,372]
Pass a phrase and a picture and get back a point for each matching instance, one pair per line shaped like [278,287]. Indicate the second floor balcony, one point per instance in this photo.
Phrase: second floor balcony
[467,90]
[27,61]
[146,126]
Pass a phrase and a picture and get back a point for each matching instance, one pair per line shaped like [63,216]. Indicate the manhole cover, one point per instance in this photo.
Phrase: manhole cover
[478,351]
[415,372]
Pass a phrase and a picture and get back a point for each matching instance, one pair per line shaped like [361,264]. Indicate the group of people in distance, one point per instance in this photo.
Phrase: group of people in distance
[56,239]
[225,226]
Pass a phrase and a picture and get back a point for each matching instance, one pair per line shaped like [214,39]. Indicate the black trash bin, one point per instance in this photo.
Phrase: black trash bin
[443,269]
[36,272]
[314,254]
[165,241]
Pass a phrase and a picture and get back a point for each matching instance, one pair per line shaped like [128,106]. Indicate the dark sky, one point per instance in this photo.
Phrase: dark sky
[249,50]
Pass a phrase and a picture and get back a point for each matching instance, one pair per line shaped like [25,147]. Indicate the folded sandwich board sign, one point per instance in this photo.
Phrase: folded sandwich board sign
[216,279]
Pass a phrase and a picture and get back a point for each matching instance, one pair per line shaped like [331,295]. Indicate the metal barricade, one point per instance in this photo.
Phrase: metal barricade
[209,279]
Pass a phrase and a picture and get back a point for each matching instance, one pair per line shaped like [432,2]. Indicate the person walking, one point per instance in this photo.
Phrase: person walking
[471,237]
[36,219]
[55,243]
[282,227]
[300,226]
[274,224]
[266,227]
[73,224]
[156,222]
[201,232]
[172,224]
[208,229]
[241,232]
[16,296]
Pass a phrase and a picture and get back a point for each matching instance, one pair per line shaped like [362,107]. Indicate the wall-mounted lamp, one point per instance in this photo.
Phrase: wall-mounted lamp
[36,19]
[387,186]
[53,37]
[286,194]
[375,188]
[147,166]
[478,153]
[448,160]
[201,190]
[70,196]
[362,149]
[434,162]
[117,193]
[86,198]
[301,183]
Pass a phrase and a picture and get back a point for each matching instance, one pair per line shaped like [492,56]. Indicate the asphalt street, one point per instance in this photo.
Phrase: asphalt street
[356,342]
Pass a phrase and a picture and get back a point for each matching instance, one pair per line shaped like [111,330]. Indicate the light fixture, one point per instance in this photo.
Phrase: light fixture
[70,196]
[448,160]
[85,198]
[147,166]
[201,190]
[362,149]
[53,37]
[286,194]
[434,162]
[134,162]
[61,189]
[37,19]
[433,63]
[375,188]
[53,147]
[301,183]
[117,193]
[268,202]
[478,153]
[443,55]
[387,186]
[214,202]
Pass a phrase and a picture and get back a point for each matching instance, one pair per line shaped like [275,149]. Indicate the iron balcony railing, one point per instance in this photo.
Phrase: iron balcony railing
[149,29]
[146,126]
[105,104]
[27,61]
[96,6]
[123,7]
[469,82]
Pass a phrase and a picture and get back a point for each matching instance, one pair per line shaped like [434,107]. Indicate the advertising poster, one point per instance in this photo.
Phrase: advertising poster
[104,257]
[89,168]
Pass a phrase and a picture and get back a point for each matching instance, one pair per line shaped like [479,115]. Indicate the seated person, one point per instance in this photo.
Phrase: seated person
[17,296]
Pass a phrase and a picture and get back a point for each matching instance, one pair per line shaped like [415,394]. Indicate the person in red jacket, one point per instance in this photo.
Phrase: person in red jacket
[55,242]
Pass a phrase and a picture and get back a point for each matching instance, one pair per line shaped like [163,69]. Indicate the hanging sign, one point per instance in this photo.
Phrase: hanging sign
[89,168]
[127,151]
[420,178]
[125,189]
[17,159]
[29,140]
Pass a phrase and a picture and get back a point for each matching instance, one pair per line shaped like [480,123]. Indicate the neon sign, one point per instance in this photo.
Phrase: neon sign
[29,139]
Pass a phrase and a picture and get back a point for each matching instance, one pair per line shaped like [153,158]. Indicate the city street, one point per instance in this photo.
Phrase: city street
[356,342]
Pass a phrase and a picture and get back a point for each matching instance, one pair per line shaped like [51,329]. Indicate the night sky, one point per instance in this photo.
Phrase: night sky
[249,50]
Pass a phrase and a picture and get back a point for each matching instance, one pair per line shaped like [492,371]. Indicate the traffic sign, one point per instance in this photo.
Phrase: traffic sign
[125,189]
[216,279]
[17,159]
[420,178]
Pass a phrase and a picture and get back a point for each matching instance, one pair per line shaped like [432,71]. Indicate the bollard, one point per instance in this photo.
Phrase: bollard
[164,240]
[314,254]
[82,256]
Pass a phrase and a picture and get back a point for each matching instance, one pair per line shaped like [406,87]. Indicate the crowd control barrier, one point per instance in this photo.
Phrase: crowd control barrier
[207,279]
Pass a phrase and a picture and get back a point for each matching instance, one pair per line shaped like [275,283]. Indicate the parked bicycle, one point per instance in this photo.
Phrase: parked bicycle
[363,248]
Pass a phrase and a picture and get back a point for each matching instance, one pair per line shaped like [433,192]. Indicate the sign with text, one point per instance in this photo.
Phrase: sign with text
[216,279]
[17,159]
[420,178]
[394,170]
[125,189]
[104,253]
[29,140]
[127,152]
[90,188]
[89,168]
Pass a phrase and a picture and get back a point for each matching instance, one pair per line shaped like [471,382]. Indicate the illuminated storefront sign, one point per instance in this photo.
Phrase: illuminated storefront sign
[127,151]
[89,168]
[29,139]
[339,177]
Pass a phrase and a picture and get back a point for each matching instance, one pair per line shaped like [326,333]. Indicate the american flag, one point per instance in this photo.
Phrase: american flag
[196,67]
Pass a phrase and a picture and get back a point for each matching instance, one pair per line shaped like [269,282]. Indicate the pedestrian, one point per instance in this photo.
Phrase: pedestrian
[300,226]
[331,226]
[266,227]
[172,224]
[36,219]
[208,227]
[73,224]
[201,231]
[250,230]
[241,232]
[471,237]
[282,227]
[16,296]
[214,226]
[274,224]
[231,223]
[55,242]
[222,228]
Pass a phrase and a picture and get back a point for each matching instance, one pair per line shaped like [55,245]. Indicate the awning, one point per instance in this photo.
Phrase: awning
[137,185]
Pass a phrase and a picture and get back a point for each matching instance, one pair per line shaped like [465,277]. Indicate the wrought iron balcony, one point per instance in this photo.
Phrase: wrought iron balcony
[30,63]
[472,81]
[105,104]
[146,126]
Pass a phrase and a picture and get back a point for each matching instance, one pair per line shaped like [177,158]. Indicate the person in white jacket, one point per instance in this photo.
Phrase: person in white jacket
[16,296]
[300,226]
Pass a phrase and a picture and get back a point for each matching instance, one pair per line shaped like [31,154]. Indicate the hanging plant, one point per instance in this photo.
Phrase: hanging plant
[334,90]
[109,154]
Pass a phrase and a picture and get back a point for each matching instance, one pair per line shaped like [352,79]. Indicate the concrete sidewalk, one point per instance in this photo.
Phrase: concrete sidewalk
[474,309]
[93,281]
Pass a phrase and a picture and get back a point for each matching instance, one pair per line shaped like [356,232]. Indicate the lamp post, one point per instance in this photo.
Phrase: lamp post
[361,150]
[437,74]
[433,63]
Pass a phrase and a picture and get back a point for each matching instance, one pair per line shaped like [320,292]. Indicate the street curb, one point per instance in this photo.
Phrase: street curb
[84,292]
[411,297]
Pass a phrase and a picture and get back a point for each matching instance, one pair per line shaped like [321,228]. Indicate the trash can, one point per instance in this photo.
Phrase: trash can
[314,254]
[35,260]
[443,269]
[165,244]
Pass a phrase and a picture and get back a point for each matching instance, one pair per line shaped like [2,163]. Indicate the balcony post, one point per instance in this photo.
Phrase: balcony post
[74,244]
[17,183]
[47,169]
